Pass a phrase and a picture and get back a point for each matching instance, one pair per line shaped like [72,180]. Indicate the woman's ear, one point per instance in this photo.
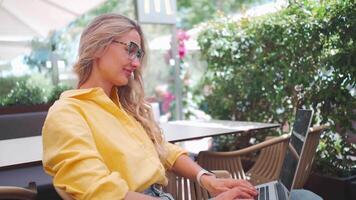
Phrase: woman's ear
[101,51]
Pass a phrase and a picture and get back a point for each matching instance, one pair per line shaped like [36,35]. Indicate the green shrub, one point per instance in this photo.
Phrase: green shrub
[25,94]
[333,156]
[56,92]
[8,83]
[262,69]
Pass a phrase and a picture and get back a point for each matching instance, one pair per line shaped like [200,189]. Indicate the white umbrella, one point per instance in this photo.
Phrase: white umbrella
[21,20]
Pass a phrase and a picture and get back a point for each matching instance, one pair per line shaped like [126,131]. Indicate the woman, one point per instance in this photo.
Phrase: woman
[100,141]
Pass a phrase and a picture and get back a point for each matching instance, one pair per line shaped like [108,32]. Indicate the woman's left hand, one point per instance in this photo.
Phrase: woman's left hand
[215,186]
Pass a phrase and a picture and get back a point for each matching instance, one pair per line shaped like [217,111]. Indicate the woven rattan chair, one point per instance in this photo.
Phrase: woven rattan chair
[184,189]
[266,168]
[18,193]
[179,187]
[269,162]
[307,156]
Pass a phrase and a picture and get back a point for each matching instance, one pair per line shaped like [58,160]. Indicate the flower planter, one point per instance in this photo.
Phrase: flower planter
[330,188]
[24,108]
[22,120]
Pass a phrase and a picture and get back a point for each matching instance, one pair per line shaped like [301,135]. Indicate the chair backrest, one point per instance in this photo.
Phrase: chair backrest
[21,124]
[183,188]
[307,156]
[18,193]
[180,187]
[231,161]
[269,163]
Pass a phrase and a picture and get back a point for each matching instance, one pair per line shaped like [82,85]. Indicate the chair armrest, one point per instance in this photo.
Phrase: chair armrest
[253,148]
[11,192]
[316,129]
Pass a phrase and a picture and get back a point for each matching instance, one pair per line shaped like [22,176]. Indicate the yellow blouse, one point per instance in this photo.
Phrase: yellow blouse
[95,150]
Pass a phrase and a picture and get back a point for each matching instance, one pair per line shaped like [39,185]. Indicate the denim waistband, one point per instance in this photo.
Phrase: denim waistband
[154,191]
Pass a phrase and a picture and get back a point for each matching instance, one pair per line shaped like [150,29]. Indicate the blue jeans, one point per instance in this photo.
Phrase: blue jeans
[302,194]
[155,192]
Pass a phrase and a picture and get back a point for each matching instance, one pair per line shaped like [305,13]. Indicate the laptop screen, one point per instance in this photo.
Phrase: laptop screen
[299,132]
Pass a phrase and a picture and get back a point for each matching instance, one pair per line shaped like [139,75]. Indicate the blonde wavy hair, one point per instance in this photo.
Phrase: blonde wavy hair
[95,38]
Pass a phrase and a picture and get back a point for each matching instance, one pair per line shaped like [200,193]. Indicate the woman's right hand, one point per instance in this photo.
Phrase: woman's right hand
[234,193]
[217,186]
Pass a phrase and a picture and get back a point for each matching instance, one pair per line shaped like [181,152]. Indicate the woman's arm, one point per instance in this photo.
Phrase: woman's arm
[186,167]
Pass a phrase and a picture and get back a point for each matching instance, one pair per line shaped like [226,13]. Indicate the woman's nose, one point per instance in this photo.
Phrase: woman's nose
[136,63]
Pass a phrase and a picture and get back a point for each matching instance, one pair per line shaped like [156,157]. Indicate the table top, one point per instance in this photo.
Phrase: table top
[29,149]
[20,150]
[184,130]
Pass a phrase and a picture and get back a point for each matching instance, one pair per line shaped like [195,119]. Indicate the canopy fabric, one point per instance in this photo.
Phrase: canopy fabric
[21,20]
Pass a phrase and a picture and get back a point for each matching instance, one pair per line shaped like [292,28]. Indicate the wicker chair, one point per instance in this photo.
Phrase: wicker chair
[270,161]
[18,193]
[184,189]
[178,187]
[266,168]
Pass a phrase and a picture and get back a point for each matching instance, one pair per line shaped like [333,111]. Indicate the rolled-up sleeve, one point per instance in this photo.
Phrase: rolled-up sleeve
[71,157]
[174,151]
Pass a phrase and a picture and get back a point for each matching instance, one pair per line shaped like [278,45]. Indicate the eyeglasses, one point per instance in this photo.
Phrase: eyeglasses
[133,50]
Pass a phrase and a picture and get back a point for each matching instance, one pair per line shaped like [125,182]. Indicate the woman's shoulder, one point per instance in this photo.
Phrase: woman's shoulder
[72,99]
[65,106]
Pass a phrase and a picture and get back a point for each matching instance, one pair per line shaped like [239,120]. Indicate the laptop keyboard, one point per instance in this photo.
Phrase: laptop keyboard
[263,193]
[280,191]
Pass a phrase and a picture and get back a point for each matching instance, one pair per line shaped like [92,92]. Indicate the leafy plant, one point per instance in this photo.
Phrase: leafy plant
[334,156]
[264,68]
[25,94]
[56,92]
[8,83]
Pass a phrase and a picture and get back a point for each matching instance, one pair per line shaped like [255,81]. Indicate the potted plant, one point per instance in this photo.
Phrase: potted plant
[334,168]
[25,96]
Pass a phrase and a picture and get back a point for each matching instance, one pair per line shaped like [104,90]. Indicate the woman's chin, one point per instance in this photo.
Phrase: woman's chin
[122,82]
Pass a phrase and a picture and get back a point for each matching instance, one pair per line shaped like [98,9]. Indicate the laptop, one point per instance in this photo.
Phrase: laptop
[279,190]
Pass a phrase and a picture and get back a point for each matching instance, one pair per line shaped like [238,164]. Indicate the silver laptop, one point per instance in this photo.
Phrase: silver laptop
[279,190]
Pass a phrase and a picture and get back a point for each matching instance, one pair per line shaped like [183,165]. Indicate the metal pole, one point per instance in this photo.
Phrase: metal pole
[178,87]
[54,65]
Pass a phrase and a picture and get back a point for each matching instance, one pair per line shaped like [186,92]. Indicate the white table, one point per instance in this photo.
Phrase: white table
[184,130]
[20,150]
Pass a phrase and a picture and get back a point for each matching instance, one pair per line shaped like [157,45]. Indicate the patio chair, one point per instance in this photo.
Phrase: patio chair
[182,188]
[269,162]
[179,187]
[18,193]
[266,168]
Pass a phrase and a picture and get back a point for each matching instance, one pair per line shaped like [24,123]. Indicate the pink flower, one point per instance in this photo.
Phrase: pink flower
[182,51]
[182,37]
